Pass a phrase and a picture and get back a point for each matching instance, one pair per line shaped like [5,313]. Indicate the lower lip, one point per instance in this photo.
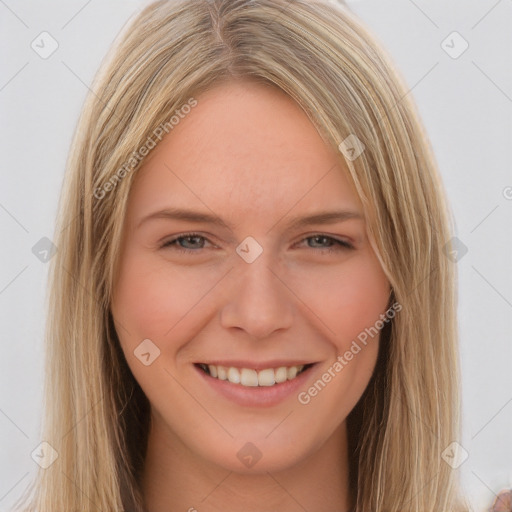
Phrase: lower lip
[256,396]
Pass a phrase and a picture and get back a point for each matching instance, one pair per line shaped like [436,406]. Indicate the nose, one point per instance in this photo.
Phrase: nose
[259,300]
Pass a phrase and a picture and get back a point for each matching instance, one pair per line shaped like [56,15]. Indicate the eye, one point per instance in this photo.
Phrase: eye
[333,243]
[192,241]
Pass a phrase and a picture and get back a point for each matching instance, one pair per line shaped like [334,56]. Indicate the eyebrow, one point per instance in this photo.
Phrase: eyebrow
[321,217]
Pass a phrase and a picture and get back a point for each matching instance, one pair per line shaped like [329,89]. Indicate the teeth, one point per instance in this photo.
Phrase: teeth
[281,374]
[221,373]
[252,378]
[266,377]
[291,372]
[233,375]
[248,377]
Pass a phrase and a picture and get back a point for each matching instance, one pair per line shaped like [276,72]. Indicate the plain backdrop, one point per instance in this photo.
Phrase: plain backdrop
[464,97]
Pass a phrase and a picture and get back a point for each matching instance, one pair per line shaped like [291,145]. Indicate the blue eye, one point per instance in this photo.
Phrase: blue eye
[194,242]
[188,236]
[334,243]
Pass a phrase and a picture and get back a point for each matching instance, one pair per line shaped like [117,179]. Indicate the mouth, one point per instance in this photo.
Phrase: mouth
[249,377]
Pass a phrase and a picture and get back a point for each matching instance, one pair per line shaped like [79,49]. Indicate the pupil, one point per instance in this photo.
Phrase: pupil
[190,238]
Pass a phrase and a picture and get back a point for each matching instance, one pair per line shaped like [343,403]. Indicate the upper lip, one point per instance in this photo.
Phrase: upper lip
[257,365]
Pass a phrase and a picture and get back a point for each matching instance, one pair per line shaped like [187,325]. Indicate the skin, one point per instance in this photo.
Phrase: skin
[248,154]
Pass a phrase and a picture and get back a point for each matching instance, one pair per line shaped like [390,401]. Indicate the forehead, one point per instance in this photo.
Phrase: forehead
[249,146]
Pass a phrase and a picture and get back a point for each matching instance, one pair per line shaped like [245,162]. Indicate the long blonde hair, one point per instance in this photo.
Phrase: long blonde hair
[96,415]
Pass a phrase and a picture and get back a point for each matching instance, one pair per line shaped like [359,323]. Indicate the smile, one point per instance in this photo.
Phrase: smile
[252,378]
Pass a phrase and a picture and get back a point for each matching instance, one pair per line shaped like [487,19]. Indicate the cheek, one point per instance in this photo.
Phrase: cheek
[350,301]
[346,298]
[156,301]
[152,296]
[364,299]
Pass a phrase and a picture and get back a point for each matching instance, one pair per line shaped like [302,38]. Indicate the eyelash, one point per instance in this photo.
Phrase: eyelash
[340,245]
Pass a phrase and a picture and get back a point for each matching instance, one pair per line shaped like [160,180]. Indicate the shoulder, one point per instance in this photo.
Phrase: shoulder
[503,502]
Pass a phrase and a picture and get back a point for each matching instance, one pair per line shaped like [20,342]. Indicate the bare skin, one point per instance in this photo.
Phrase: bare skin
[249,155]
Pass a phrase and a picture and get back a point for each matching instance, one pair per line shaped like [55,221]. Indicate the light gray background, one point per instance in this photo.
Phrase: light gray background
[466,105]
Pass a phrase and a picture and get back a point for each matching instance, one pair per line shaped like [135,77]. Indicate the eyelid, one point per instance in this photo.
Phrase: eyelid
[168,242]
[346,244]
[339,244]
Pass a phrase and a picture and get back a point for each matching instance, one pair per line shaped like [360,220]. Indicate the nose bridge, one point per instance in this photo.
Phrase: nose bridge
[258,301]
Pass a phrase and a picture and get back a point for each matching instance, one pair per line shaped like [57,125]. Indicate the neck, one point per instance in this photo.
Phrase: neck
[175,478]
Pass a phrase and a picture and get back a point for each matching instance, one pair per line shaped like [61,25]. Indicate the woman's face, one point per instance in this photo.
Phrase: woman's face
[239,255]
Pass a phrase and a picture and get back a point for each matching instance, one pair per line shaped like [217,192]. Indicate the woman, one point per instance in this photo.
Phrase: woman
[252,305]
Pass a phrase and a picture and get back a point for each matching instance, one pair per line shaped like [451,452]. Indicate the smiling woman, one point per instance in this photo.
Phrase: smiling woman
[257,313]
[244,337]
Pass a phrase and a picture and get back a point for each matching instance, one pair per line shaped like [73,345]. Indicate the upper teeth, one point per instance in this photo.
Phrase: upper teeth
[248,377]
